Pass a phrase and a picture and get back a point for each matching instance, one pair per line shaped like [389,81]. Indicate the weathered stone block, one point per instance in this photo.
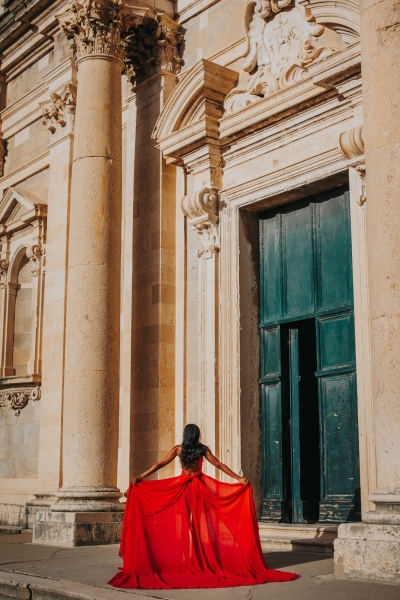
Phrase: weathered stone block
[368,551]
[77,529]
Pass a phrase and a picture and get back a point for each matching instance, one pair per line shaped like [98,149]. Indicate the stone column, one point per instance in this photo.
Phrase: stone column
[88,510]
[372,549]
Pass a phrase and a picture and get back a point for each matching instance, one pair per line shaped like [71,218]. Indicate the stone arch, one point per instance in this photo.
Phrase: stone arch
[341,15]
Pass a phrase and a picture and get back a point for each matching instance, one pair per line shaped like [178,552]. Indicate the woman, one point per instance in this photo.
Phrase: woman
[191,531]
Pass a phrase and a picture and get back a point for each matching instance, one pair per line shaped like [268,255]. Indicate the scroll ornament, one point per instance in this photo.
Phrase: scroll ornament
[17,399]
[284,39]
[351,144]
[201,209]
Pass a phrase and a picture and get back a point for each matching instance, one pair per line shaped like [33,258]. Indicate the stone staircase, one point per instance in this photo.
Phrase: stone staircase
[299,537]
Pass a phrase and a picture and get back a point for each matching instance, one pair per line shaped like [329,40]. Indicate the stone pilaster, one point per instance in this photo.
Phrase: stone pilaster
[372,549]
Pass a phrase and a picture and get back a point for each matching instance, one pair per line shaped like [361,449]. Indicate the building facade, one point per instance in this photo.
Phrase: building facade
[200,221]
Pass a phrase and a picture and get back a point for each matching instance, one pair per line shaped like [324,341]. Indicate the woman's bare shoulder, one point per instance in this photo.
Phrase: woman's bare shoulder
[177,449]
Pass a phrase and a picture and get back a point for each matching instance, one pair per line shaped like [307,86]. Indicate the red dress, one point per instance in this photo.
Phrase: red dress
[191,531]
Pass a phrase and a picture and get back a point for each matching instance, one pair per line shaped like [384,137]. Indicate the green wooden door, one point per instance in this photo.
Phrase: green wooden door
[306,273]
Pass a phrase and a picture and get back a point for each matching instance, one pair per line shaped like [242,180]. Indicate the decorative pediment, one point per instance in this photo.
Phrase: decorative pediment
[191,113]
[19,208]
[284,39]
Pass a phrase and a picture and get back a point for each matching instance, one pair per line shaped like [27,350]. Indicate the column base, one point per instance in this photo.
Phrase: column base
[71,529]
[368,551]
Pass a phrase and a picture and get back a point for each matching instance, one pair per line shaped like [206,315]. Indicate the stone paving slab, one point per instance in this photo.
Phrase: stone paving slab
[50,573]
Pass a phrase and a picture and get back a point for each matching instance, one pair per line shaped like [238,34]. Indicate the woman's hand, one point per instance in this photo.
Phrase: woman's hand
[136,480]
[244,481]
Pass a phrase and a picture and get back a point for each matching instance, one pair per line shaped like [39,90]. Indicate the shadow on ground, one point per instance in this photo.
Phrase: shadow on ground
[280,560]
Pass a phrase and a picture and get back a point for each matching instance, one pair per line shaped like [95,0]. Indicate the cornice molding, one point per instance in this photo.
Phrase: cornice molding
[324,80]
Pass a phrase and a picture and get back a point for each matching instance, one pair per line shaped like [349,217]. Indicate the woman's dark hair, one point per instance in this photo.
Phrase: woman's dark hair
[192,448]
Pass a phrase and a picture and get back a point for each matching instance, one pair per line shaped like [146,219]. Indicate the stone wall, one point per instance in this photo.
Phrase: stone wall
[25,146]
[216,29]
[19,442]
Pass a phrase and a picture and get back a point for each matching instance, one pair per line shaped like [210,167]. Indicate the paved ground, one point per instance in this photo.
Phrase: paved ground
[94,566]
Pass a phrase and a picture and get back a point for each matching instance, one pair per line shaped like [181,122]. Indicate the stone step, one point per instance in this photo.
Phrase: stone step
[299,545]
[299,537]
[11,529]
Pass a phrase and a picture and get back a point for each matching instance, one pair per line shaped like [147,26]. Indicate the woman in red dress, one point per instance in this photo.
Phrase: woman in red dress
[191,531]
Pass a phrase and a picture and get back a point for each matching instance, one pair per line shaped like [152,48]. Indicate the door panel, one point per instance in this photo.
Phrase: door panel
[272,451]
[271,271]
[336,346]
[297,261]
[339,457]
[270,353]
[334,264]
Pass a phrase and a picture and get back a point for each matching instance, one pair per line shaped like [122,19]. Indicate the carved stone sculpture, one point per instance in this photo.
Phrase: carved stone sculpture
[37,255]
[283,40]
[56,111]
[201,209]
[146,41]
[17,399]
[4,264]
[3,154]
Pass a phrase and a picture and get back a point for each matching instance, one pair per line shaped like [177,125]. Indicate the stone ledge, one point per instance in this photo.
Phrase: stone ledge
[29,587]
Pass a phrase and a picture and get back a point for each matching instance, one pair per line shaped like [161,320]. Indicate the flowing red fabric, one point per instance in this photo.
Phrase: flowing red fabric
[191,531]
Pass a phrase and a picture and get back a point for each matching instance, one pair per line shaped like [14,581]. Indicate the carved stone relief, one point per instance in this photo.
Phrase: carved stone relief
[17,399]
[4,265]
[145,40]
[284,39]
[60,108]
[201,209]
[3,154]
[37,255]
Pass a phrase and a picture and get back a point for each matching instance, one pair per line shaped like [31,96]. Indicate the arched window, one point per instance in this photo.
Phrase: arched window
[21,352]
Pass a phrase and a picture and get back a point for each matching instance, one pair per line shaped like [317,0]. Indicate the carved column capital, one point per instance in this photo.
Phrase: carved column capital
[153,47]
[201,209]
[145,40]
[95,27]
[60,109]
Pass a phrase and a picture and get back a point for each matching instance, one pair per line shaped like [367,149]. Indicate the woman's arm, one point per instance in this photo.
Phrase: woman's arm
[162,463]
[219,465]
